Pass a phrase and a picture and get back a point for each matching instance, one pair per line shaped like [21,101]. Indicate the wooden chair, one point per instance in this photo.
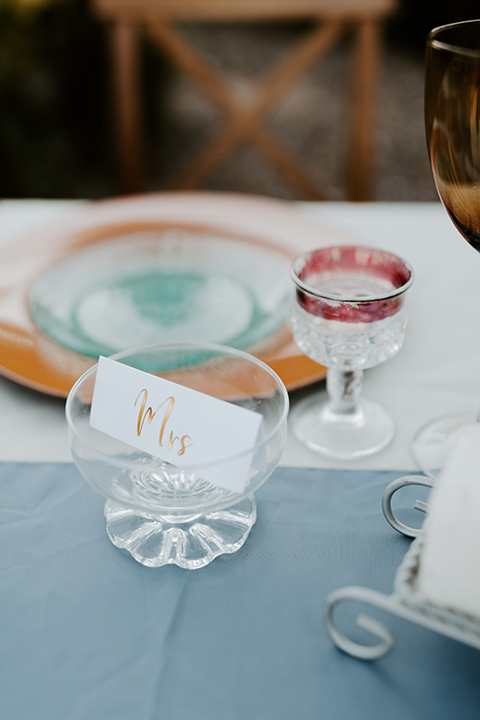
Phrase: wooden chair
[244,122]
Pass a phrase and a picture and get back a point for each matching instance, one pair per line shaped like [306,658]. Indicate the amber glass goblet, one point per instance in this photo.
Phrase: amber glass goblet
[452,123]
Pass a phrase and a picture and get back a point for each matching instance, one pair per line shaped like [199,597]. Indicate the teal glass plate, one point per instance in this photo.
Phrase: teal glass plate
[169,285]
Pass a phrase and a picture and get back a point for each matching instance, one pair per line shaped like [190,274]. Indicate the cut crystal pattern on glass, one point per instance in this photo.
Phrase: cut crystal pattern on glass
[349,316]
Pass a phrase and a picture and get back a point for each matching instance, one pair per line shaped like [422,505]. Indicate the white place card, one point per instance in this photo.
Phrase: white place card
[182,426]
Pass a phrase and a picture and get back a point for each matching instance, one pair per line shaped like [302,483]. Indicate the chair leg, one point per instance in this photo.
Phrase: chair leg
[125,56]
[366,66]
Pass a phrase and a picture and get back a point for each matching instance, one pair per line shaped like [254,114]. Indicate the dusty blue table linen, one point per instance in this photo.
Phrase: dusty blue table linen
[87,633]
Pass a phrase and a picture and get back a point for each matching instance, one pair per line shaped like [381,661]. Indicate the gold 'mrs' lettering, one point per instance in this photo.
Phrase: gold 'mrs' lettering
[146,413]
[183,442]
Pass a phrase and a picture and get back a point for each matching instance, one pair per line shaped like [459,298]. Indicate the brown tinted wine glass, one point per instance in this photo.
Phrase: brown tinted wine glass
[452,123]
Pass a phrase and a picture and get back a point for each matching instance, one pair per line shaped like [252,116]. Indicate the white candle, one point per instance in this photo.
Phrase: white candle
[449,572]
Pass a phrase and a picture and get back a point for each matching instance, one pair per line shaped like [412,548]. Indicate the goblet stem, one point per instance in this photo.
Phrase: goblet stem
[344,387]
[348,425]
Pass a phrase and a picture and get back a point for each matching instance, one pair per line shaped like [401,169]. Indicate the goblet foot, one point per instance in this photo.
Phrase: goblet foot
[343,436]
[190,542]
[434,441]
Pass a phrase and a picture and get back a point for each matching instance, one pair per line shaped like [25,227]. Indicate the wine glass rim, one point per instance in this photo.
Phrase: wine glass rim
[315,292]
[263,440]
[434,42]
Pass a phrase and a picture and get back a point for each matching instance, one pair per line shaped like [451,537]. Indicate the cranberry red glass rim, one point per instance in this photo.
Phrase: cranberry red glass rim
[300,260]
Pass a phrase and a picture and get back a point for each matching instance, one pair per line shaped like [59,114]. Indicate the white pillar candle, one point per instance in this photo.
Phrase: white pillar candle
[449,571]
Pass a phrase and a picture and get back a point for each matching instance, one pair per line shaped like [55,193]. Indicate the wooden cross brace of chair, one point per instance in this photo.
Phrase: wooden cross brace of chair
[245,120]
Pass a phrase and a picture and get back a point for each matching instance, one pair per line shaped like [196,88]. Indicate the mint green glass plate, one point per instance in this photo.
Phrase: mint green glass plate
[163,286]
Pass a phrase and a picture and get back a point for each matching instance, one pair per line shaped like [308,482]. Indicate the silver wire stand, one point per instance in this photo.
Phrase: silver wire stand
[391,489]
[405,602]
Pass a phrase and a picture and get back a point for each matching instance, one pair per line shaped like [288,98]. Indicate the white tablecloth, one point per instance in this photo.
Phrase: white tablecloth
[436,372]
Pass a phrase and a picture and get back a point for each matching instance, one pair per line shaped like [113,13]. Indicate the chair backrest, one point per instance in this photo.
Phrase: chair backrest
[329,18]
[247,10]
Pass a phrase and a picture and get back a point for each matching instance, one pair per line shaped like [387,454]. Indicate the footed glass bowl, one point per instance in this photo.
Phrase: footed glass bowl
[163,514]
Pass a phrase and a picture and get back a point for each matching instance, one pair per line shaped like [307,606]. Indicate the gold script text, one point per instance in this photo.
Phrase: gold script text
[146,413]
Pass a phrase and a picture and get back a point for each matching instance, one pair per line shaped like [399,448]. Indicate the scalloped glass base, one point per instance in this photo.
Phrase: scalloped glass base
[189,542]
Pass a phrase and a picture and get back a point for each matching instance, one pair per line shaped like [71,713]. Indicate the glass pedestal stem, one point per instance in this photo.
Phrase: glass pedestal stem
[348,425]
[344,387]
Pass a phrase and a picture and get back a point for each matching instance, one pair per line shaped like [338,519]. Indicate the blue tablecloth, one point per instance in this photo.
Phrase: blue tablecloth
[88,633]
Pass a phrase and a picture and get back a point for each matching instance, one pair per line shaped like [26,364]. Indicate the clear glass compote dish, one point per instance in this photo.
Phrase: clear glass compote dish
[163,514]
[349,315]
[452,124]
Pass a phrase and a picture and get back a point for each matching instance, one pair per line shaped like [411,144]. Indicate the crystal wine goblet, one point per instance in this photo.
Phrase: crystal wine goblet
[452,124]
[349,315]
[158,512]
